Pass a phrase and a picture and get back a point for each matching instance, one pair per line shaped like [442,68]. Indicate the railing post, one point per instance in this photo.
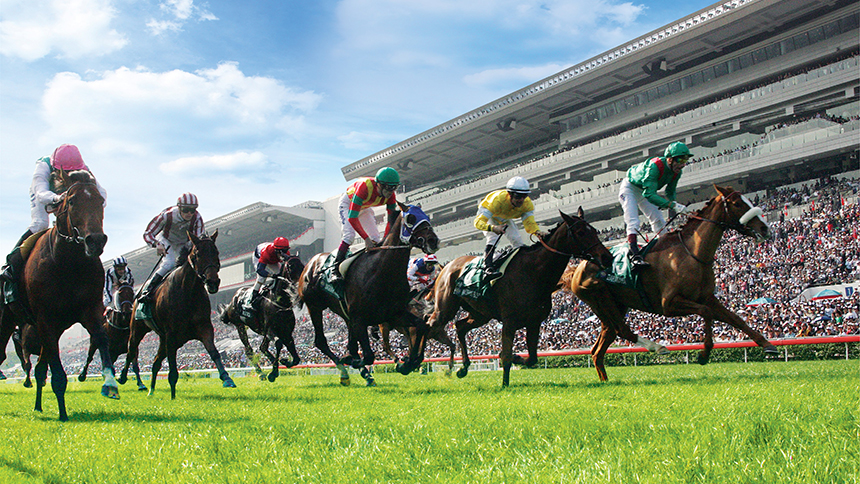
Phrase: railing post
[635,360]
[745,354]
[786,353]
[846,351]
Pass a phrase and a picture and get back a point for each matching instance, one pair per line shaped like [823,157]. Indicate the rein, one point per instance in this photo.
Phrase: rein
[700,261]
[76,237]
[582,253]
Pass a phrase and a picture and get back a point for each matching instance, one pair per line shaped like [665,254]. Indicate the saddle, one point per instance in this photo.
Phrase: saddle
[621,273]
[10,289]
[473,284]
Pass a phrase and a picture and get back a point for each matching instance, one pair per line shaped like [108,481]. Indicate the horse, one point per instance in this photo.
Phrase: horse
[680,280]
[274,320]
[62,285]
[116,326]
[180,310]
[521,298]
[375,288]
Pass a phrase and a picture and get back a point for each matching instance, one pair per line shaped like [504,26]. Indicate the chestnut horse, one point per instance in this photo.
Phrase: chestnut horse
[62,285]
[680,280]
[376,290]
[274,320]
[521,298]
[180,312]
[117,327]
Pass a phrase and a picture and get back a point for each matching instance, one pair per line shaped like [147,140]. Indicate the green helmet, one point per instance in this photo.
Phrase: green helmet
[388,175]
[676,149]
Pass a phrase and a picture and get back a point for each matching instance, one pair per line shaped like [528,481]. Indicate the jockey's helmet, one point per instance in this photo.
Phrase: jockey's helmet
[281,243]
[187,200]
[431,259]
[67,157]
[677,150]
[120,262]
[388,176]
[518,185]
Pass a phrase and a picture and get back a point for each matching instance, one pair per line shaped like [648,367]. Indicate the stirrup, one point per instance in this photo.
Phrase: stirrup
[638,262]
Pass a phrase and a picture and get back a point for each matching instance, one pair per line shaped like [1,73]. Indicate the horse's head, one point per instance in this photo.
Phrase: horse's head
[81,212]
[416,229]
[741,215]
[579,239]
[205,261]
[292,269]
[125,299]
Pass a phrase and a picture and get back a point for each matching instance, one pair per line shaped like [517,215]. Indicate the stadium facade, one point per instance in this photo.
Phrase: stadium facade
[764,92]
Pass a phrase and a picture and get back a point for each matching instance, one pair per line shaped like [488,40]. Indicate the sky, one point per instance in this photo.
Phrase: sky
[264,100]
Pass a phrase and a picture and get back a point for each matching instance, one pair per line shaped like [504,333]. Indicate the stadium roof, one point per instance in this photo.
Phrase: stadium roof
[531,117]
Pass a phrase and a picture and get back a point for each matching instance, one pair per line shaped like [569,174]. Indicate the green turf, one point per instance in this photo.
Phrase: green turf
[757,422]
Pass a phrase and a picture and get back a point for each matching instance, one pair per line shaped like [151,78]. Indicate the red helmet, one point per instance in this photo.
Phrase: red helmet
[187,200]
[281,243]
[67,157]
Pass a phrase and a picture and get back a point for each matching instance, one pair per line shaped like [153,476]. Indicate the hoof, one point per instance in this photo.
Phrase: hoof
[344,382]
[262,377]
[82,377]
[228,383]
[771,350]
[462,372]
[121,380]
[110,392]
[272,377]
[702,360]
[371,382]
[2,376]
[141,388]
[662,350]
[28,384]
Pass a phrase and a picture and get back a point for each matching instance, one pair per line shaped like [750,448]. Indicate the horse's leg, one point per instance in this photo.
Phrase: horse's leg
[172,371]
[135,336]
[249,352]
[98,338]
[440,335]
[509,332]
[386,343]
[208,340]
[140,386]
[721,313]
[276,363]
[598,351]
[59,380]
[463,326]
[26,364]
[273,359]
[156,363]
[705,354]
[321,343]
[290,343]
[532,339]
[86,368]
[41,375]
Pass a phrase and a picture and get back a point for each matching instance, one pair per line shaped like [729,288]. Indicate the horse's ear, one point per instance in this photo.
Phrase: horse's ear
[214,236]
[580,213]
[721,190]
[403,206]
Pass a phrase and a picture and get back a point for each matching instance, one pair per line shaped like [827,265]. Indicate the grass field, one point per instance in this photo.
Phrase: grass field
[777,422]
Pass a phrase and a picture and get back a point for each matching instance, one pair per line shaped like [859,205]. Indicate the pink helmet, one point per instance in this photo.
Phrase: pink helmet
[187,200]
[67,157]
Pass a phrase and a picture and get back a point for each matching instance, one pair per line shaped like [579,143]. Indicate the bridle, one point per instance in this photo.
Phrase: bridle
[740,225]
[582,254]
[74,235]
[202,273]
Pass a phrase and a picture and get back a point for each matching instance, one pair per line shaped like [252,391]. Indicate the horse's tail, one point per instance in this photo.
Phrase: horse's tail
[224,315]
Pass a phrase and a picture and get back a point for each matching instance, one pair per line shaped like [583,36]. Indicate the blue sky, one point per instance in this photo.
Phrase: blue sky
[249,101]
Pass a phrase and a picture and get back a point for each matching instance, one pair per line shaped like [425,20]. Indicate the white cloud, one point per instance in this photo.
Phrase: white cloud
[33,29]
[178,12]
[513,75]
[178,112]
[355,140]
[238,163]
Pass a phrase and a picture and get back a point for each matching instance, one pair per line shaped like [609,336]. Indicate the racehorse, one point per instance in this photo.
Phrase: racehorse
[274,320]
[680,280]
[521,298]
[375,288]
[116,326]
[62,285]
[180,310]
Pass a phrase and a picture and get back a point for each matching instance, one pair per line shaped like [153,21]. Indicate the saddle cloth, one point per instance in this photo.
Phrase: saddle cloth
[472,282]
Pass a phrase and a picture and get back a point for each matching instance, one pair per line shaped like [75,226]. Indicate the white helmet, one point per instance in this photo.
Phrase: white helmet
[518,184]
[431,258]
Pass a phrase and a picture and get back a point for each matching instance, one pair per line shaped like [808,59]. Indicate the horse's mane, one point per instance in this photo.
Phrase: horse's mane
[689,226]
[533,247]
[80,176]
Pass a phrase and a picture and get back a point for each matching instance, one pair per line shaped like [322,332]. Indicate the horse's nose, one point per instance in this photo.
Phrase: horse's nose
[95,244]
[433,243]
[212,285]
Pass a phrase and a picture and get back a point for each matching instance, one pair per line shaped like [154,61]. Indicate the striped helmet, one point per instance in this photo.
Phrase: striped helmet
[431,259]
[120,261]
[187,200]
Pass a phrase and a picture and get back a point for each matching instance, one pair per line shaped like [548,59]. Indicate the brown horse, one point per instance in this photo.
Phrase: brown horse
[62,285]
[680,281]
[181,311]
[117,327]
[521,298]
[376,290]
[274,320]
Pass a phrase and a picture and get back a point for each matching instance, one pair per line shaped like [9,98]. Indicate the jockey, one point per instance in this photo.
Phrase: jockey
[355,209]
[168,234]
[268,258]
[46,193]
[422,272]
[496,213]
[116,276]
[638,191]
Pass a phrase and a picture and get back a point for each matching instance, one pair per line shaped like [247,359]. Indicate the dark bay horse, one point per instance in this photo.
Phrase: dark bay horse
[275,319]
[680,281]
[181,311]
[62,285]
[521,298]
[376,290]
[117,326]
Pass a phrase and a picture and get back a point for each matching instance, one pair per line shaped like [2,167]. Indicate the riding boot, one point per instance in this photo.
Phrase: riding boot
[342,249]
[255,300]
[635,258]
[146,295]
[24,237]
[14,266]
[490,268]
